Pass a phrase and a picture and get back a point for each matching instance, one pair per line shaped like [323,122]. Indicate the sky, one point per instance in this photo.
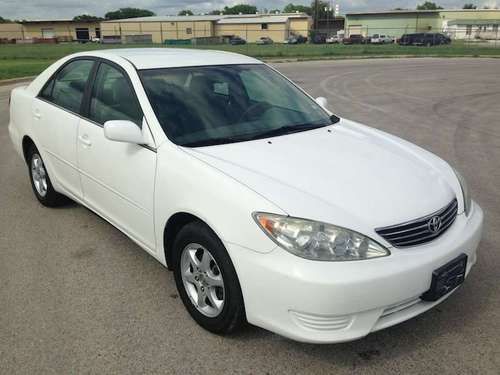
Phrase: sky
[58,9]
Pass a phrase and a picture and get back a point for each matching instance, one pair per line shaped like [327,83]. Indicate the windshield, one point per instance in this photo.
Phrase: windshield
[201,106]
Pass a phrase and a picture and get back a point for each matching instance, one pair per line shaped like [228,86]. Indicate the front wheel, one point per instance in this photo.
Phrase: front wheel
[207,281]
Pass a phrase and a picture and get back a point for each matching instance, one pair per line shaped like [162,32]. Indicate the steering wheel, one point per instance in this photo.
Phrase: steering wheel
[254,108]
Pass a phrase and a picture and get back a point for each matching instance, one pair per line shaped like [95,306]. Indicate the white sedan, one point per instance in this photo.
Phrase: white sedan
[269,209]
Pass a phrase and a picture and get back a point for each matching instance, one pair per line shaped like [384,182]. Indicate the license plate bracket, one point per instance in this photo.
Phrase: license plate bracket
[446,278]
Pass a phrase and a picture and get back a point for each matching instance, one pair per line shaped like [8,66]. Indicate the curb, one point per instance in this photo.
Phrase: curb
[12,81]
[275,60]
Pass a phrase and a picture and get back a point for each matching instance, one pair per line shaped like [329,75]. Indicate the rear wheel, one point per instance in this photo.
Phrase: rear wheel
[40,181]
[207,281]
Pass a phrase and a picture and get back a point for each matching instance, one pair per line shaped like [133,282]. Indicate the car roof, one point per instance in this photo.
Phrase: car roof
[161,57]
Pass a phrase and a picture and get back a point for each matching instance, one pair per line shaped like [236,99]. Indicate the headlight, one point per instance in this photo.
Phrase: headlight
[318,241]
[465,192]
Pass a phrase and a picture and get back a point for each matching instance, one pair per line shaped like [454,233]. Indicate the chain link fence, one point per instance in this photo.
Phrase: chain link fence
[278,40]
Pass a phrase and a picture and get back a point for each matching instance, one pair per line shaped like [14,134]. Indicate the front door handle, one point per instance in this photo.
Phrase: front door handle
[37,114]
[84,140]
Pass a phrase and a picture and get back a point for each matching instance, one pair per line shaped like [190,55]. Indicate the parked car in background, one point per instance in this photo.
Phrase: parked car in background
[235,40]
[295,39]
[319,38]
[301,39]
[431,39]
[264,40]
[193,155]
[424,39]
[355,39]
[406,39]
[334,39]
[381,39]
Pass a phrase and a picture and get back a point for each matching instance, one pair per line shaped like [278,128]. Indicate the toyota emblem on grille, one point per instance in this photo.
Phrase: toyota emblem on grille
[434,224]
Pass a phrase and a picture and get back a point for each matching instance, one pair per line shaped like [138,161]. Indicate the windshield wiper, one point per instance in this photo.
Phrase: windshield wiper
[282,130]
[286,129]
[213,142]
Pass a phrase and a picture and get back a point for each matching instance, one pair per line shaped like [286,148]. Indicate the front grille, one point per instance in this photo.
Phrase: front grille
[423,230]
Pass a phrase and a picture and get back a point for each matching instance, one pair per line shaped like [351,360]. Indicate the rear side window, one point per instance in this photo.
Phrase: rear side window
[113,97]
[67,88]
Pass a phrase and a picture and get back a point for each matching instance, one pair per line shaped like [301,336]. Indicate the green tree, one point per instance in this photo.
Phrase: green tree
[469,6]
[321,10]
[86,18]
[128,13]
[292,8]
[185,12]
[240,8]
[4,20]
[428,5]
[274,11]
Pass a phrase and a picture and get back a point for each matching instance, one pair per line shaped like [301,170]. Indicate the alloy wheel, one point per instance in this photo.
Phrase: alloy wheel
[202,280]
[39,175]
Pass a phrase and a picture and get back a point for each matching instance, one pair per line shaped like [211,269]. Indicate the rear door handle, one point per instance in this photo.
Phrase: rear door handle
[84,140]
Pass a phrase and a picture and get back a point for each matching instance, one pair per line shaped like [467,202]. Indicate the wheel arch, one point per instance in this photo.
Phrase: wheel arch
[172,227]
[26,144]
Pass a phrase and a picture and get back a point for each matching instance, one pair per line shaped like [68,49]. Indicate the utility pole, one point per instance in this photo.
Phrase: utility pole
[315,15]
[327,11]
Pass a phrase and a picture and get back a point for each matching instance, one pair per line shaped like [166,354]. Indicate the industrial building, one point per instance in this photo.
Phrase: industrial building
[459,24]
[159,29]
[11,31]
[63,30]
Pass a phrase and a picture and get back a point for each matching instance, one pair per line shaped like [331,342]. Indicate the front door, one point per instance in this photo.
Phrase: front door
[117,178]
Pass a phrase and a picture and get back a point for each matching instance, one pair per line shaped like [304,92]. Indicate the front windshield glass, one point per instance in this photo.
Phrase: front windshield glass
[201,106]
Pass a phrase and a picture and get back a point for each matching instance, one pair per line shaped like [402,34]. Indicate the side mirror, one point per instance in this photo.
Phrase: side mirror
[322,101]
[123,131]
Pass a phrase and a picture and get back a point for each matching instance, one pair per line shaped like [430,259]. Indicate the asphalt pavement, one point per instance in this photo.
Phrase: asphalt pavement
[77,296]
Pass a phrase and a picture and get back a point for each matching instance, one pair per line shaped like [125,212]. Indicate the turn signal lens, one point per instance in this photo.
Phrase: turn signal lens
[465,192]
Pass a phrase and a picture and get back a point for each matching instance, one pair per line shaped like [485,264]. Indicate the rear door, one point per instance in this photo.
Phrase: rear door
[117,178]
[56,114]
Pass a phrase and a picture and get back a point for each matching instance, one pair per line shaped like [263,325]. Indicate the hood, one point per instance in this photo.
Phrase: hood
[345,174]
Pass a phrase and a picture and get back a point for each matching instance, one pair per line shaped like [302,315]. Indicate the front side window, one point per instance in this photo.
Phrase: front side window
[199,106]
[67,88]
[113,98]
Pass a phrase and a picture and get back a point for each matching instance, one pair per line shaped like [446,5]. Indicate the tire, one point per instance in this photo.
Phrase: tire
[40,181]
[196,240]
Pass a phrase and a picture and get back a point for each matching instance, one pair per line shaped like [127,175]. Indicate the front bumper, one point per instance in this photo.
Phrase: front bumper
[327,302]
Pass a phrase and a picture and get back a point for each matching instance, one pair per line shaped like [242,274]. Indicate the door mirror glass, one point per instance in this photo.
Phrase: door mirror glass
[322,101]
[123,131]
